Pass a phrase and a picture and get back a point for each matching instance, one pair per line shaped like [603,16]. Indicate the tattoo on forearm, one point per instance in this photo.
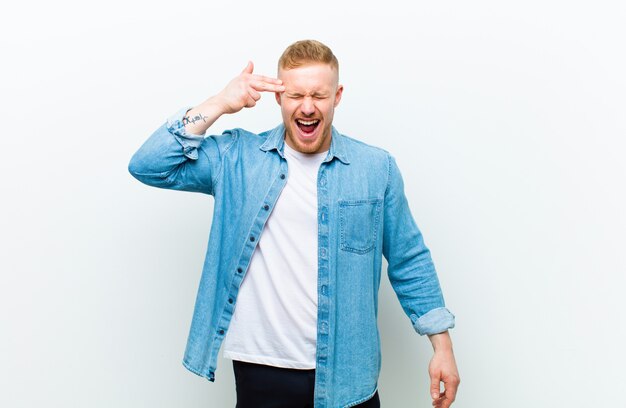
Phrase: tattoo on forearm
[187,120]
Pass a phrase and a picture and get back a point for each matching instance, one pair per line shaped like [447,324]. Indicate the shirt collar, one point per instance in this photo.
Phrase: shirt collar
[276,140]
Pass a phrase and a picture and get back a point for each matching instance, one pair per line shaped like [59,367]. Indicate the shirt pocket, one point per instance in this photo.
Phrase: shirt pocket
[358,224]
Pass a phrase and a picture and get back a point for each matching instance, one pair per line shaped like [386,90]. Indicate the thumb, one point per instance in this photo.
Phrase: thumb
[248,69]
[434,387]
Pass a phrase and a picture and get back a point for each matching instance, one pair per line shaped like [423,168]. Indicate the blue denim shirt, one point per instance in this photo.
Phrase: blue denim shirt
[363,215]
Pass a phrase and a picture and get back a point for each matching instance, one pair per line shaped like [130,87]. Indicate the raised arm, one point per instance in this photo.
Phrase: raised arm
[177,155]
[242,92]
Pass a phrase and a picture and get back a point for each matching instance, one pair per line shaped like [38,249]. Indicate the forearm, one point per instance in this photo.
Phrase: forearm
[441,341]
[241,92]
[198,119]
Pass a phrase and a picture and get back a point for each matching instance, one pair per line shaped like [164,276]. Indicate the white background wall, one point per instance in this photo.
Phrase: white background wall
[506,119]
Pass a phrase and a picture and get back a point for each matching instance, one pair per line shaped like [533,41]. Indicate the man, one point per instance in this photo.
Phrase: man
[302,218]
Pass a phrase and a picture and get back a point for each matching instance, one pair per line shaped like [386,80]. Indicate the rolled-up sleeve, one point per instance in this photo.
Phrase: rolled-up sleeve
[174,159]
[410,268]
[188,141]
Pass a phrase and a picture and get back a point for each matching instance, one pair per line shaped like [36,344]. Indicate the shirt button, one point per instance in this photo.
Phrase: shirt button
[221,331]
[252,239]
[282,176]
[266,207]
[239,270]
[230,301]
[323,289]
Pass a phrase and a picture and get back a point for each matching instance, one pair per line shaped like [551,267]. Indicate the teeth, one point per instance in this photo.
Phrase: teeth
[307,122]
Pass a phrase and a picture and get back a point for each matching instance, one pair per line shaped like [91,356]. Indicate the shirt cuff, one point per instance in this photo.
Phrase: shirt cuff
[188,141]
[435,321]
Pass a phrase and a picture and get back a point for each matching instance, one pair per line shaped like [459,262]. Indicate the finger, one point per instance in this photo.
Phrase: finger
[264,78]
[450,390]
[445,401]
[434,387]
[441,401]
[248,69]
[266,87]
[251,103]
[254,94]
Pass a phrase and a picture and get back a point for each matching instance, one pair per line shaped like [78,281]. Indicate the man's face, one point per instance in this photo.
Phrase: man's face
[307,105]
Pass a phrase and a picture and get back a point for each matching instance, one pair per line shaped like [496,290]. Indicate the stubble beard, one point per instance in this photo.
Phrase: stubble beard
[309,148]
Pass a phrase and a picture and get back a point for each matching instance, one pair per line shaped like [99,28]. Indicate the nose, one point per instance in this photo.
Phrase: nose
[308,107]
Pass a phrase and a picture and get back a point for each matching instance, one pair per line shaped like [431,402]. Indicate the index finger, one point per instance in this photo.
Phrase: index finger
[264,78]
[450,395]
[267,87]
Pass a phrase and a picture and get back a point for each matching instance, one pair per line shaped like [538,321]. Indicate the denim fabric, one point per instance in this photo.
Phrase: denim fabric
[363,215]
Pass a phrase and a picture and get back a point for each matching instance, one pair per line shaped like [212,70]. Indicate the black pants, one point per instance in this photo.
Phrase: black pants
[263,386]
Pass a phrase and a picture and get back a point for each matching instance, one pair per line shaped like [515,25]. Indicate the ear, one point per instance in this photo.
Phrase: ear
[338,95]
[277,95]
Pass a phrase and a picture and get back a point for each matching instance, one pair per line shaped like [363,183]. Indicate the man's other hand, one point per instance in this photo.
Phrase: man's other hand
[442,368]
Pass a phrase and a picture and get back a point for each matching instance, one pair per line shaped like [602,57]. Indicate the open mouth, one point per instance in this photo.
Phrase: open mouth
[307,127]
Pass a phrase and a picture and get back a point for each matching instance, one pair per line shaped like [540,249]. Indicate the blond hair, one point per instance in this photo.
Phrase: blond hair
[307,51]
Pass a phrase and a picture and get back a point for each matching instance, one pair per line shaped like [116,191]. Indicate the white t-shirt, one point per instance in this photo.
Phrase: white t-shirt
[275,317]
